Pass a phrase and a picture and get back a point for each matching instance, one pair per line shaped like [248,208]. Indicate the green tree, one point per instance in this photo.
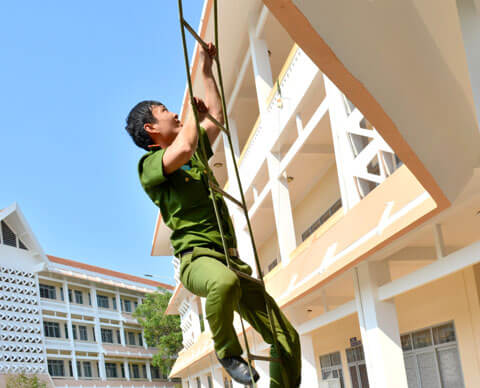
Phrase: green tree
[160,330]
[24,381]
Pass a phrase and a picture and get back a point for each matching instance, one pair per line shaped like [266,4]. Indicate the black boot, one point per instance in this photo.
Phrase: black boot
[238,369]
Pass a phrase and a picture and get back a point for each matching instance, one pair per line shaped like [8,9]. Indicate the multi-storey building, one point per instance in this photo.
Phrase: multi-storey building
[355,124]
[68,322]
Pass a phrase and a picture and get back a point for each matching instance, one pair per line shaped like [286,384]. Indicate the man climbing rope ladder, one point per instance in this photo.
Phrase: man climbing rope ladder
[174,175]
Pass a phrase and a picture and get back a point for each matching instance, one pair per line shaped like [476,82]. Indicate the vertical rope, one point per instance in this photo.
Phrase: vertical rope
[237,174]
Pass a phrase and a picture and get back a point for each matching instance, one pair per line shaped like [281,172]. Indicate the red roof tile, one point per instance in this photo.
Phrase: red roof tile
[108,272]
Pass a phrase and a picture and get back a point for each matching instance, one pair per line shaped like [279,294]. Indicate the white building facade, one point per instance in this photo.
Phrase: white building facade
[365,243]
[68,322]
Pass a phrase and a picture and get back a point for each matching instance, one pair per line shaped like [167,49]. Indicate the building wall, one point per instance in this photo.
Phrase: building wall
[316,202]
[439,302]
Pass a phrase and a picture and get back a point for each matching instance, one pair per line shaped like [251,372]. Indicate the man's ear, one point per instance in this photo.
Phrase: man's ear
[149,128]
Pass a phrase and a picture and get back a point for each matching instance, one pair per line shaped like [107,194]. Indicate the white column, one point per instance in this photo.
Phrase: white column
[204,380]
[261,68]
[101,366]
[149,372]
[126,369]
[379,328]
[217,377]
[98,334]
[263,369]
[70,330]
[309,370]
[119,302]
[343,155]
[197,329]
[185,383]
[280,195]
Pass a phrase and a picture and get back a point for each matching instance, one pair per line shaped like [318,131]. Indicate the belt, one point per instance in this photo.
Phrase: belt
[231,251]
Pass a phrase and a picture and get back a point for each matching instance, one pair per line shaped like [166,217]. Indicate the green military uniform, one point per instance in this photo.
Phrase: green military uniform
[187,209]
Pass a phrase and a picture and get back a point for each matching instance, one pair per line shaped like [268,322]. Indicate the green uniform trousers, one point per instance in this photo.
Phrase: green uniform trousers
[204,273]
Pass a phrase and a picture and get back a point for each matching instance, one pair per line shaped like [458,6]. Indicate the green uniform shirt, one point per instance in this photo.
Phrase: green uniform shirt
[184,199]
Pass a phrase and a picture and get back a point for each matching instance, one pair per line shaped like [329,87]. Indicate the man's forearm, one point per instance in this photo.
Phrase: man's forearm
[212,96]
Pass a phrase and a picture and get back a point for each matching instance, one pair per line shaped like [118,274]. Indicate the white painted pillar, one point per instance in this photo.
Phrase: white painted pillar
[70,330]
[98,334]
[197,329]
[263,369]
[217,377]
[149,371]
[469,13]
[379,328]
[119,302]
[309,369]
[280,195]
[126,369]
[101,366]
[343,155]
[203,380]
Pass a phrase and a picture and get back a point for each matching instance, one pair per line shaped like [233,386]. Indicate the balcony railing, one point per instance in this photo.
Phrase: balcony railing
[294,81]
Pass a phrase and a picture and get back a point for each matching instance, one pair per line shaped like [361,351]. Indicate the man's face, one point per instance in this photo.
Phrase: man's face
[167,124]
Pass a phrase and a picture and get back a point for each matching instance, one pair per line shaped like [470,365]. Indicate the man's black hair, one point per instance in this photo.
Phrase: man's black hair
[140,115]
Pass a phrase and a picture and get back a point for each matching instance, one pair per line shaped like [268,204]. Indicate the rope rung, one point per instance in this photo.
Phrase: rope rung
[263,358]
[245,276]
[217,123]
[194,34]
[225,194]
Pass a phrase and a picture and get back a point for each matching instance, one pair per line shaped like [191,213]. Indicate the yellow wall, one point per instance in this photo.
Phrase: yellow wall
[316,202]
[454,298]
[269,250]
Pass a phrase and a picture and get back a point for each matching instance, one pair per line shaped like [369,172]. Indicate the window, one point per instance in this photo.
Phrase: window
[140,339]
[323,218]
[51,329]
[56,368]
[93,333]
[431,355]
[65,328]
[127,306]
[119,339]
[210,383]
[111,369]
[135,305]
[82,330]
[70,295]
[331,366]
[156,372]
[47,291]
[87,369]
[107,336]
[61,294]
[79,369]
[131,338]
[144,371]
[89,299]
[78,297]
[102,301]
[135,371]
[357,367]
[122,368]
[70,369]
[199,384]
[74,330]
[114,303]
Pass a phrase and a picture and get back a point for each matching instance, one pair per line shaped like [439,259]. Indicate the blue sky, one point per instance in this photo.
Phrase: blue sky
[69,74]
